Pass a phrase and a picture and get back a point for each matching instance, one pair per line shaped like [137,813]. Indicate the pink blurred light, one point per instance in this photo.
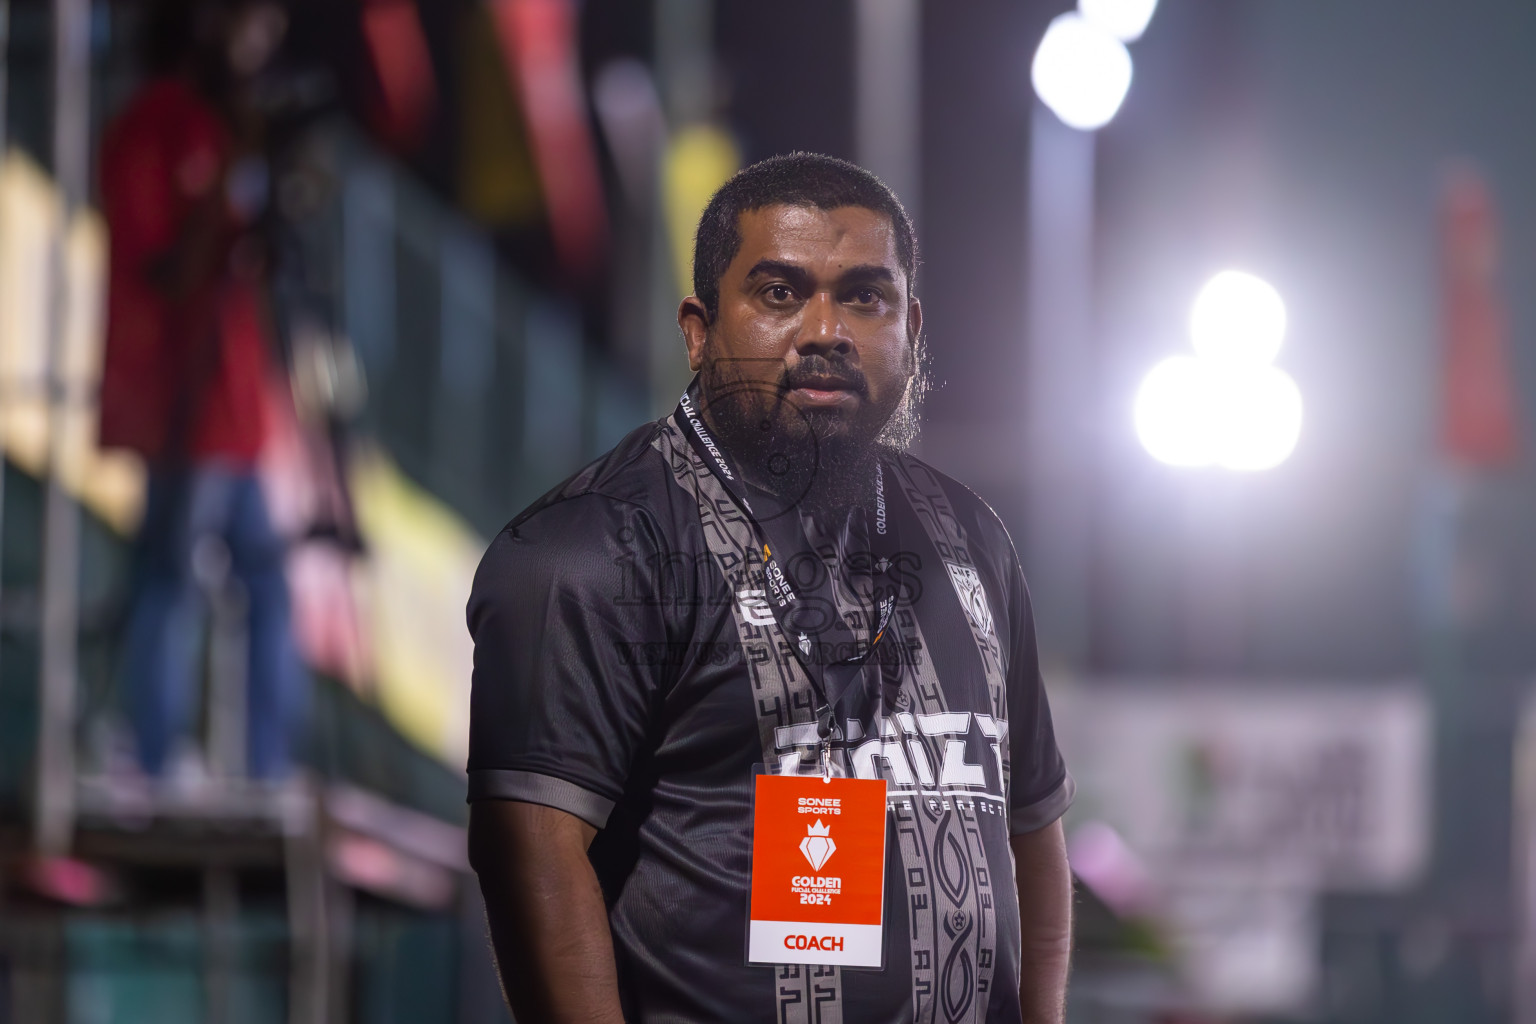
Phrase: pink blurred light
[1102,860]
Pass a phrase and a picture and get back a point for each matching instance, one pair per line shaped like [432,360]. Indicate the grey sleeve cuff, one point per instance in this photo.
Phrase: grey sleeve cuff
[532,788]
[1043,811]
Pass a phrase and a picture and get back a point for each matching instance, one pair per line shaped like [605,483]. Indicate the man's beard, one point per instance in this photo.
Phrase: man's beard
[807,459]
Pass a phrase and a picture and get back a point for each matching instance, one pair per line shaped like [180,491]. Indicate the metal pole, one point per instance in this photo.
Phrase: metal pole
[5,77]
[684,63]
[5,71]
[308,921]
[229,659]
[683,35]
[1058,384]
[61,523]
[888,94]
[221,918]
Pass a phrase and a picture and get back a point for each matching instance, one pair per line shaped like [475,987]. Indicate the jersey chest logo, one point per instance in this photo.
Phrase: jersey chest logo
[973,596]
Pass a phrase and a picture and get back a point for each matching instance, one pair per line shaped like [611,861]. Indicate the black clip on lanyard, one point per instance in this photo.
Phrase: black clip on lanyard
[816,649]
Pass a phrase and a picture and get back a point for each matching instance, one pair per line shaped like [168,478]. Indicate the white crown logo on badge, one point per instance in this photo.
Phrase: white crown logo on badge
[805,645]
[818,846]
[973,596]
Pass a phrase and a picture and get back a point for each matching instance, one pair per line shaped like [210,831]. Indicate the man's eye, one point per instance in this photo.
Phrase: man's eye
[780,292]
[866,296]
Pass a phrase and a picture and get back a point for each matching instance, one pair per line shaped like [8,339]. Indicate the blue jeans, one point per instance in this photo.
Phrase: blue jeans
[166,614]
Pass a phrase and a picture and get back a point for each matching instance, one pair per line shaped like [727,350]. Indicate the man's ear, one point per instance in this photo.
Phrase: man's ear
[914,323]
[694,322]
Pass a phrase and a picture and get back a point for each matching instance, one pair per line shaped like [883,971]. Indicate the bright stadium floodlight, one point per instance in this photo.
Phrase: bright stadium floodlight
[1081,72]
[1237,318]
[1126,20]
[1226,406]
[1258,419]
[1175,417]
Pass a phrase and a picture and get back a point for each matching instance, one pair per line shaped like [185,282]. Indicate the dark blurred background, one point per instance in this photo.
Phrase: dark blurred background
[1286,598]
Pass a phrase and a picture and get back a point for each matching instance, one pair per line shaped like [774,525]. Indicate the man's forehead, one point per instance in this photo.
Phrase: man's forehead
[808,234]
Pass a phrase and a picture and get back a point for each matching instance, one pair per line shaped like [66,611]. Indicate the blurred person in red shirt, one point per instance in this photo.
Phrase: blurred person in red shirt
[187,363]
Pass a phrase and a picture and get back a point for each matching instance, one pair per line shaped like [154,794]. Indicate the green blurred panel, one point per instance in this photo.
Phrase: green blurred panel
[18,722]
[103,579]
[23,532]
[20,544]
[352,741]
[150,970]
[407,966]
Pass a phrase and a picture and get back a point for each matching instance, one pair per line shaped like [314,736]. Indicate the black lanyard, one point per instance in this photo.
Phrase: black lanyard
[829,652]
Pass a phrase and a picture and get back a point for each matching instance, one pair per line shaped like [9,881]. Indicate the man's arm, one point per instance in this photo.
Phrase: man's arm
[1045,917]
[548,922]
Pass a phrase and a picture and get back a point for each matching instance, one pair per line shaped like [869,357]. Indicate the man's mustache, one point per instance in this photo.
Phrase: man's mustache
[817,371]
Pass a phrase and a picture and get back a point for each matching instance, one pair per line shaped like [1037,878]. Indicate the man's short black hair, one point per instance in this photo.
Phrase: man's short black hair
[792,179]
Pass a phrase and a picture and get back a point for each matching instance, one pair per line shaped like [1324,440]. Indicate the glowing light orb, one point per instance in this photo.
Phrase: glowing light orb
[1258,418]
[1237,318]
[1175,415]
[1194,412]
[1126,20]
[1081,72]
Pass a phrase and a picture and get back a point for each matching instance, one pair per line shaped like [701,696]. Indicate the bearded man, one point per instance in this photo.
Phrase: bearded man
[757,730]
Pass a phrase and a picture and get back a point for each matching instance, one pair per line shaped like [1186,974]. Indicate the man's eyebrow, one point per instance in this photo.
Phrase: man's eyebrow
[801,277]
[867,272]
[795,274]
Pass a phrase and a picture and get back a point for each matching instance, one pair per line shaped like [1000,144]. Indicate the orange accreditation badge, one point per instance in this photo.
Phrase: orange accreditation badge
[818,871]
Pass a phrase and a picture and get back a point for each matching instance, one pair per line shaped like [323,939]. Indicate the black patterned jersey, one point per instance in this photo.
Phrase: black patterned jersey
[628,670]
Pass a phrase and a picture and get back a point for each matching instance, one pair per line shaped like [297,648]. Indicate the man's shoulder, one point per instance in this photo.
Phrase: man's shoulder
[629,479]
[974,513]
[589,533]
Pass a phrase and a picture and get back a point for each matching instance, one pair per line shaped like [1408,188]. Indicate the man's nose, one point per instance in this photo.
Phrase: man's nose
[823,329]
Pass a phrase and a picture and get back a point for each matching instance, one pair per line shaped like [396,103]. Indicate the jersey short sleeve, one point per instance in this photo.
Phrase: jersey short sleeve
[560,706]
[1041,789]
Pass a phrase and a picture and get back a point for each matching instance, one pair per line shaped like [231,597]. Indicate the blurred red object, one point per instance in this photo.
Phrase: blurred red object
[1479,425]
[180,374]
[404,67]
[66,880]
[539,38]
